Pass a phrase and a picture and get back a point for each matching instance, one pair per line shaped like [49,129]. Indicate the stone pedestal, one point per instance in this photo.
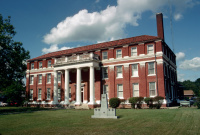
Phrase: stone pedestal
[104,111]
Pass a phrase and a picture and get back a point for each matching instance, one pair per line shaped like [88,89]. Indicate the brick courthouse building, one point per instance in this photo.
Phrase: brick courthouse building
[137,66]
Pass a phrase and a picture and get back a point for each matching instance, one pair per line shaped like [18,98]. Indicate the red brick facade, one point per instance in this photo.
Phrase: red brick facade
[143,65]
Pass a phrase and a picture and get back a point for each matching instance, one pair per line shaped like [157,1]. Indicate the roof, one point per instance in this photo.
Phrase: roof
[188,92]
[120,42]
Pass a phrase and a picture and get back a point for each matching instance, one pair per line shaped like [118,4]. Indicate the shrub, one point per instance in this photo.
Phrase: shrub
[133,101]
[158,101]
[114,102]
[139,102]
[198,102]
[149,102]
[136,100]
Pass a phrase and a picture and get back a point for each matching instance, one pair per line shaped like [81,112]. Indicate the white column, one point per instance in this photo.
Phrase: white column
[66,86]
[92,99]
[55,99]
[78,86]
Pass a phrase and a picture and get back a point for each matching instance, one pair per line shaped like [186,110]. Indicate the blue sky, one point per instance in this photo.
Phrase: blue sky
[50,25]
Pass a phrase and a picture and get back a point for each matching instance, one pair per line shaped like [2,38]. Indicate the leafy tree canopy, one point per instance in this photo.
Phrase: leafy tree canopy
[12,59]
[189,85]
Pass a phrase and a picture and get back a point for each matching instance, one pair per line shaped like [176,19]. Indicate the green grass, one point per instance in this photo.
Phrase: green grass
[183,121]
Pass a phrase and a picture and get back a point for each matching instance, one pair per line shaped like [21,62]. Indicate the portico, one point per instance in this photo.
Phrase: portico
[66,65]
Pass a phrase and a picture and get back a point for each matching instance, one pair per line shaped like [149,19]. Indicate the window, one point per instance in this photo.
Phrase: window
[151,69]
[150,49]
[59,97]
[31,79]
[120,90]
[152,89]
[59,77]
[119,72]
[135,90]
[49,63]
[31,94]
[135,70]
[48,78]
[118,53]
[48,93]
[32,65]
[40,64]
[133,51]
[105,72]
[104,55]
[39,94]
[40,79]
[105,90]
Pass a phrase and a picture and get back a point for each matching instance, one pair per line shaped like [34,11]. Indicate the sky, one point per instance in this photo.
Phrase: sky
[45,26]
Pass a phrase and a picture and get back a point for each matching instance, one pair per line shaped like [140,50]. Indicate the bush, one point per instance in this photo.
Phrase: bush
[133,101]
[136,100]
[158,101]
[149,102]
[155,102]
[139,102]
[198,102]
[114,102]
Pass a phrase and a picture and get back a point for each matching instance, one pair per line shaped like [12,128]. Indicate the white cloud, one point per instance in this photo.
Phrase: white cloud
[180,56]
[53,48]
[97,1]
[109,23]
[193,64]
[178,16]
[181,77]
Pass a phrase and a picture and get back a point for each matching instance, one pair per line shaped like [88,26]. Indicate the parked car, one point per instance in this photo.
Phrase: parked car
[193,100]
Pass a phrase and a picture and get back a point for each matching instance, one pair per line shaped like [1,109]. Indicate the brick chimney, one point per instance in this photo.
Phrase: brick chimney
[160,28]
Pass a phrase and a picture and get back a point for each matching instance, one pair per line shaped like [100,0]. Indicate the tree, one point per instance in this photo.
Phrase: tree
[197,89]
[195,86]
[12,62]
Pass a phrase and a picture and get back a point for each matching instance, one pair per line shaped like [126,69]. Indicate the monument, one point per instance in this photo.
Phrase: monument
[104,111]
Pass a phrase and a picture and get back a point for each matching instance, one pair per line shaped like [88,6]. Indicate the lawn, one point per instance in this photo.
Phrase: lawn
[183,121]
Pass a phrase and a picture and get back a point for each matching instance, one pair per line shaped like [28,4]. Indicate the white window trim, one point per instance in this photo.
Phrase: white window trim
[131,52]
[40,65]
[154,69]
[60,77]
[39,79]
[155,90]
[118,91]
[117,54]
[103,78]
[117,72]
[47,79]
[103,55]
[132,70]
[49,94]
[148,49]
[138,90]
[38,94]
[31,66]
[31,82]
[48,64]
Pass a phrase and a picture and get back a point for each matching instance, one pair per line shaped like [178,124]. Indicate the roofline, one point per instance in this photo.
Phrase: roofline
[131,43]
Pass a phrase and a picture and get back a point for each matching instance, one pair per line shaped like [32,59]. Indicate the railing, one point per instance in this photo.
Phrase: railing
[77,58]
[60,60]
